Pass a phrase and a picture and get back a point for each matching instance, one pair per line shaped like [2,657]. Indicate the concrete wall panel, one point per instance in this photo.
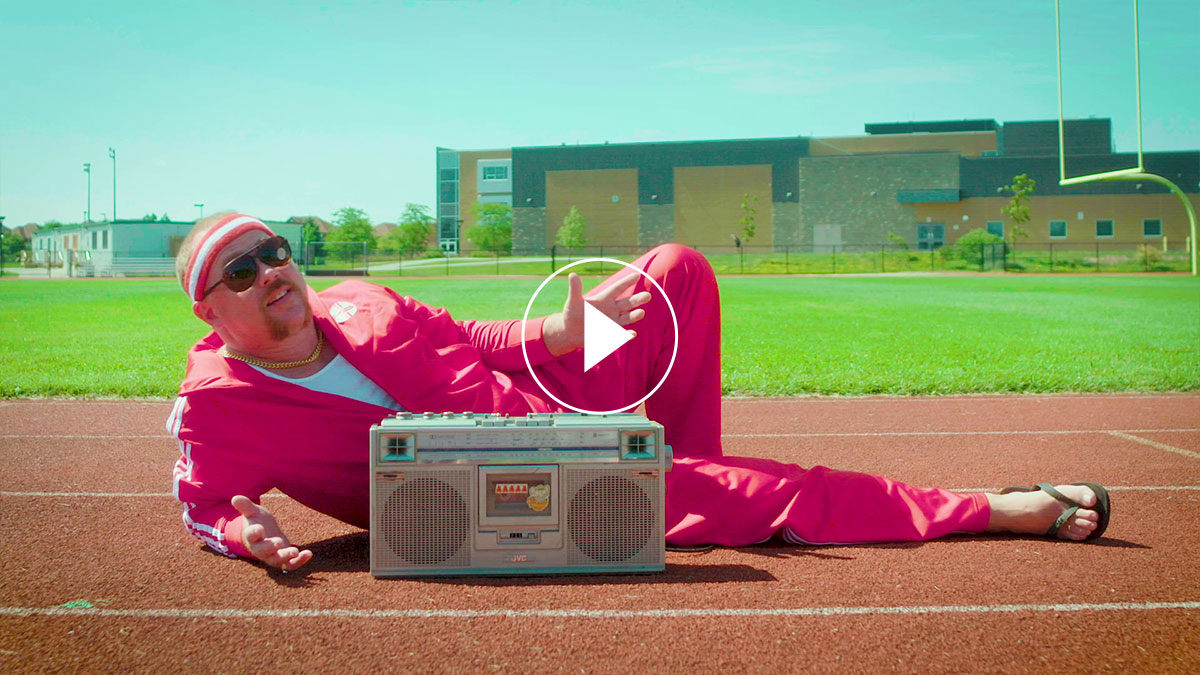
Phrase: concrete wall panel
[607,199]
[708,204]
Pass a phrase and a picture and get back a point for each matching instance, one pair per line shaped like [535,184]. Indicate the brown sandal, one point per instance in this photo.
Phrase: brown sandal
[1103,506]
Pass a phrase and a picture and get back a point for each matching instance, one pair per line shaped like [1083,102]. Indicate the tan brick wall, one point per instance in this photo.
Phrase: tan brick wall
[966,143]
[1126,211]
[708,204]
[607,221]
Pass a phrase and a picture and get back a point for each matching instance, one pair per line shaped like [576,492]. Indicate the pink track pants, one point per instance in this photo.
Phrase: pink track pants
[739,501]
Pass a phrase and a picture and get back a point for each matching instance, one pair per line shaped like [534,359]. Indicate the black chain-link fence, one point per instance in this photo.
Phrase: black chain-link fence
[1036,257]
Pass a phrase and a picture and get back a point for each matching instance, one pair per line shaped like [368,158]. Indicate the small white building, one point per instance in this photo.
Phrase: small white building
[124,247]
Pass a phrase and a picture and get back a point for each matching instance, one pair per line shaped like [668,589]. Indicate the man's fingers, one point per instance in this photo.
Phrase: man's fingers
[574,290]
[617,288]
[638,299]
[293,561]
[264,549]
[633,317]
[245,506]
[252,534]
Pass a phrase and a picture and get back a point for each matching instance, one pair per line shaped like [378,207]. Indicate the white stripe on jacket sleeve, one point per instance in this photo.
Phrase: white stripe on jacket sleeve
[212,537]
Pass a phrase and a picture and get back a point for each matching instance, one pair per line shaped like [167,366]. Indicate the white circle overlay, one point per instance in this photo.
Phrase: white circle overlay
[674,325]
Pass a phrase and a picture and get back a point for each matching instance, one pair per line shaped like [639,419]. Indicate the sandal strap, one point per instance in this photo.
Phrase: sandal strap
[1066,515]
[1062,520]
[1049,489]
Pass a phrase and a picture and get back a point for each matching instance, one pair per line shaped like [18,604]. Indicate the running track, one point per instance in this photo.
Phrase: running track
[97,573]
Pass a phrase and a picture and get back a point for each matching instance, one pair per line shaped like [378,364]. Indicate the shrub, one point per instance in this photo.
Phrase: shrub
[970,246]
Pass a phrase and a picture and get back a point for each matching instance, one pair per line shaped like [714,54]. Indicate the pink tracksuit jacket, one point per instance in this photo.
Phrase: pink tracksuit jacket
[241,432]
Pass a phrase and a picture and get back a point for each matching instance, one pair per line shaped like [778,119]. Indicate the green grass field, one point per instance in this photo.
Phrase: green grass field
[781,335]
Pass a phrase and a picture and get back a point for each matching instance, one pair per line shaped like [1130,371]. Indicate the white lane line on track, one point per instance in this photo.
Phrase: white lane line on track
[959,433]
[85,436]
[141,495]
[975,397]
[1154,444]
[779,435]
[734,399]
[26,612]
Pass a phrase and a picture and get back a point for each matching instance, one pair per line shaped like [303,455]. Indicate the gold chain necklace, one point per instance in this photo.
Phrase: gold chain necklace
[278,365]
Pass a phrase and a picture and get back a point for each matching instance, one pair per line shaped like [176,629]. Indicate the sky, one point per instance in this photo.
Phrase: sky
[284,109]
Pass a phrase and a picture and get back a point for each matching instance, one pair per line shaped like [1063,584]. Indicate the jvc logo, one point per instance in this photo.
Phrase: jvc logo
[517,558]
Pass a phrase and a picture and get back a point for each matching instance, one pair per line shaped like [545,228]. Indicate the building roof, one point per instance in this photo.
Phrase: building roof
[323,226]
[930,127]
[382,229]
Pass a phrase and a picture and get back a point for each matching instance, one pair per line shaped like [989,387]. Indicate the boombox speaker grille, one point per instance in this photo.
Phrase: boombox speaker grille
[611,517]
[426,520]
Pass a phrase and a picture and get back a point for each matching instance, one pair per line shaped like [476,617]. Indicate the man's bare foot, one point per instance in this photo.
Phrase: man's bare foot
[1034,512]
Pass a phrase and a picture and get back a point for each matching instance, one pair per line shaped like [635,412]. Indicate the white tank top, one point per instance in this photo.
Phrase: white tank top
[340,378]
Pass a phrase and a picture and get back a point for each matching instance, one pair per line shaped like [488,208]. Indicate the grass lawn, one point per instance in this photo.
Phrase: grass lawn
[782,335]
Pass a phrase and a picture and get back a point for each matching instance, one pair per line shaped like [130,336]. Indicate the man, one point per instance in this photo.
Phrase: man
[282,392]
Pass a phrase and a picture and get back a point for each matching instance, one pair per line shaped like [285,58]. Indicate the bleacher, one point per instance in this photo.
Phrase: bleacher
[131,267]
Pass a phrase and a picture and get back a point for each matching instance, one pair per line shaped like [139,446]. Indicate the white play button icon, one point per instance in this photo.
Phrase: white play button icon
[601,336]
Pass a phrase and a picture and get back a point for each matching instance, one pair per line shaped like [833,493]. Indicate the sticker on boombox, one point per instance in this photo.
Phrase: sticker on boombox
[565,493]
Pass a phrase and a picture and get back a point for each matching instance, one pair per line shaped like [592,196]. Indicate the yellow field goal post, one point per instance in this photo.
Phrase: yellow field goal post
[1133,173]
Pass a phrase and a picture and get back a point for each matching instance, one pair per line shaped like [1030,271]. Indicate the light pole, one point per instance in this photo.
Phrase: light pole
[87,168]
[201,207]
[113,154]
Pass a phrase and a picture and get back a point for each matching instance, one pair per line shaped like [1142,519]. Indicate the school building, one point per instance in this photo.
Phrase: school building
[925,182]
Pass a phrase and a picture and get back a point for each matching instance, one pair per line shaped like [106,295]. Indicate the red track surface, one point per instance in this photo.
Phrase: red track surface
[86,514]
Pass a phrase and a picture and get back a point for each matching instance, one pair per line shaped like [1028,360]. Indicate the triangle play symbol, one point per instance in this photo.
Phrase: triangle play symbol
[601,336]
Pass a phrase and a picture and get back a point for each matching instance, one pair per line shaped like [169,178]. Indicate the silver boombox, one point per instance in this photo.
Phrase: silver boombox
[560,493]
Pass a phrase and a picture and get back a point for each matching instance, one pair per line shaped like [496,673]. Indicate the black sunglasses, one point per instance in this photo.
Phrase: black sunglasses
[240,273]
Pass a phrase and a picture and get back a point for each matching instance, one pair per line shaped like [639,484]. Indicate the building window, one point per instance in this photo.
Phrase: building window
[93,240]
[449,193]
[448,174]
[1104,228]
[1058,229]
[1152,227]
[495,173]
[996,227]
[104,240]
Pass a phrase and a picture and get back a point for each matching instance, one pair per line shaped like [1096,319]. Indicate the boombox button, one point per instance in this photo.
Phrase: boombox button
[533,537]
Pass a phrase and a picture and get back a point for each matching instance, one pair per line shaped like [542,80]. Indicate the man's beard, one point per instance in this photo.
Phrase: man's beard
[280,330]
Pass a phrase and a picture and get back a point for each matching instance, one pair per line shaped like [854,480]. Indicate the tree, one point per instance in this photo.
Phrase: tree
[412,236]
[571,234]
[165,218]
[1021,189]
[352,226]
[310,232]
[150,218]
[11,245]
[494,229]
[747,220]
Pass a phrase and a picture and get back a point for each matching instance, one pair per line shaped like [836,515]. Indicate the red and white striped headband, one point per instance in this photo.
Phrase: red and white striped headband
[207,249]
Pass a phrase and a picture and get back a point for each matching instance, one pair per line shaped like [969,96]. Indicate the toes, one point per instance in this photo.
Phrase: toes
[1078,528]
[1082,494]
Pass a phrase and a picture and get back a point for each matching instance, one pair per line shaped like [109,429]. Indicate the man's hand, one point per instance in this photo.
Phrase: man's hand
[563,332]
[262,537]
